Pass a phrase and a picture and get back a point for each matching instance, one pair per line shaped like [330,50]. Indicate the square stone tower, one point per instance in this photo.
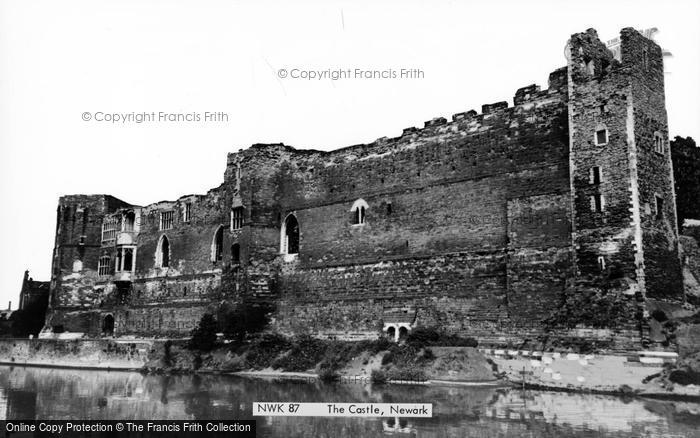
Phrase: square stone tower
[625,237]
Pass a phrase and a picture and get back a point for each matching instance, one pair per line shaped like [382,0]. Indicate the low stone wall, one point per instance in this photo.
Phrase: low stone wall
[77,353]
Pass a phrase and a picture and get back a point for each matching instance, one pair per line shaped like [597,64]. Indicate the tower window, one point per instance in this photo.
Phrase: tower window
[594,176]
[359,212]
[187,212]
[659,143]
[597,203]
[659,207]
[236,218]
[166,220]
[601,137]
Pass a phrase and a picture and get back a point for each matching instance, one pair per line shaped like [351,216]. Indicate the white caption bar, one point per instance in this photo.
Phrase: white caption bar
[291,409]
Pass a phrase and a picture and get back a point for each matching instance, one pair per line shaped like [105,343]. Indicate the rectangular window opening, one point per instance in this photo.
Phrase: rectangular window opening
[601,136]
[166,220]
[236,218]
[103,266]
[659,207]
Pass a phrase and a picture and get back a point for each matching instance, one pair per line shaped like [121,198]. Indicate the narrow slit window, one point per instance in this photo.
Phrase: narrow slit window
[597,203]
[659,143]
[595,175]
[659,207]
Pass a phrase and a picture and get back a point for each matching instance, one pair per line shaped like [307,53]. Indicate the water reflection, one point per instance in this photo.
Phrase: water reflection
[42,393]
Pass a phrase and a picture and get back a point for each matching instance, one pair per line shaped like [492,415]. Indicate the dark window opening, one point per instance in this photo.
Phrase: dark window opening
[388,209]
[218,253]
[108,325]
[659,208]
[235,254]
[359,215]
[601,136]
[597,203]
[164,253]
[291,235]
[128,259]
[595,175]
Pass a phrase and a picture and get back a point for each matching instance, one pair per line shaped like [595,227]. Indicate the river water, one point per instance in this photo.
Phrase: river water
[44,393]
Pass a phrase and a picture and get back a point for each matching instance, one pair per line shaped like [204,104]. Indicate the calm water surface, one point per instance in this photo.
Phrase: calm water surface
[42,393]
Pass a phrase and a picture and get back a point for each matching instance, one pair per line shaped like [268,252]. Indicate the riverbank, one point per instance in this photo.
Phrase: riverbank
[365,362]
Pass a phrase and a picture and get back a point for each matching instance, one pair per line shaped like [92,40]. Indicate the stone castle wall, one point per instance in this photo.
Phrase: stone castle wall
[482,225]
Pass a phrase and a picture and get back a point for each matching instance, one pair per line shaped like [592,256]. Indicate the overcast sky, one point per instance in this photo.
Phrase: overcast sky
[60,59]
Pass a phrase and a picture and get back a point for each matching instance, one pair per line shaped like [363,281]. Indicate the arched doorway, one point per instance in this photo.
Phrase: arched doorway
[290,235]
[403,333]
[108,326]
[391,333]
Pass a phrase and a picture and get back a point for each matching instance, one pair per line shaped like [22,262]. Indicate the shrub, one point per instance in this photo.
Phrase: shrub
[379,377]
[197,363]
[381,344]
[204,335]
[244,319]
[685,377]
[428,354]
[306,352]
[387,358]
[411,374]
[328,374]
[432,337]
[265,349]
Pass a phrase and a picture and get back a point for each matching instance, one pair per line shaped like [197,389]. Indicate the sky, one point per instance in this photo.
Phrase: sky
[67,66]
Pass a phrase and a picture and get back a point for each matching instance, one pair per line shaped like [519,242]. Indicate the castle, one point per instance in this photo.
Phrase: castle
[558,212]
